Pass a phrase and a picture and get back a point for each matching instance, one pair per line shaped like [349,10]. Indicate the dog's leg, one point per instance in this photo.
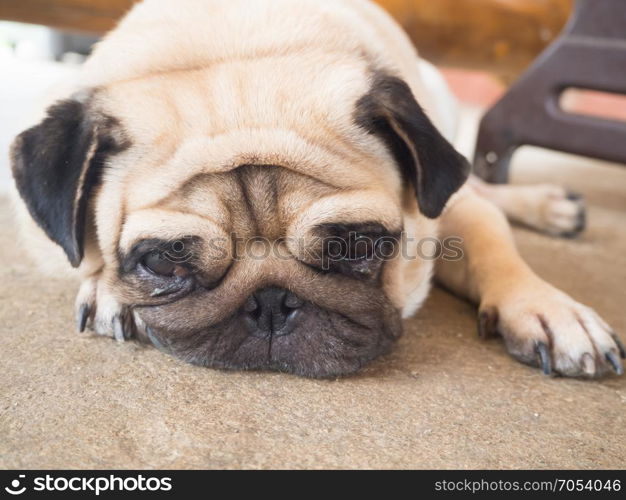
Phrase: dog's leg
[540,325]
[546,207]
[98,309]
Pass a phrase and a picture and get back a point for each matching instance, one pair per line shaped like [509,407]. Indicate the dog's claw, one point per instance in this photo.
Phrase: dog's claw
[544,355]
[82,316]
[615,362]
[154,339]
[488,323]
[118,329]
[620,345]
[573,196]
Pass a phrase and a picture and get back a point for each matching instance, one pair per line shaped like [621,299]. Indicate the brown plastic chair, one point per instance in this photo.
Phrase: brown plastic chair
[589,54]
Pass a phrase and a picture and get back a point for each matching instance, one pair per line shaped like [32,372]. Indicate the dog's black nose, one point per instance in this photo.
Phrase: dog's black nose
[272,311]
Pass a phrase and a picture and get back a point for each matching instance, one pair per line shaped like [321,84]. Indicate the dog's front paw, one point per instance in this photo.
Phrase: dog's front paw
[99,311]
[542,326]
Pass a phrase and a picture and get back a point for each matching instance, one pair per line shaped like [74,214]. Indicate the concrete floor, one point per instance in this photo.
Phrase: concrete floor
[441,399]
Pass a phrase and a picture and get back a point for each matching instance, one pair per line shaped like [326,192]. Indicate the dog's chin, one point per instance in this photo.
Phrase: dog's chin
[323,344]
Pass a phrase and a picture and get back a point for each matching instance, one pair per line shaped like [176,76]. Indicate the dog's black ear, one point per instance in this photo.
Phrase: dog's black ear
[426,159]
[56,165]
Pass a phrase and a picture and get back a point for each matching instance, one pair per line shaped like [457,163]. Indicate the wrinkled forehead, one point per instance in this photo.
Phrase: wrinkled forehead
[313,188]
[256,201]
[191,133]
[283,112]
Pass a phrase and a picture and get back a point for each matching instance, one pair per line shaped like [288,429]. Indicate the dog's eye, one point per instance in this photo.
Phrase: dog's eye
[354,247]
[357,255]
[361,247]
[160,264]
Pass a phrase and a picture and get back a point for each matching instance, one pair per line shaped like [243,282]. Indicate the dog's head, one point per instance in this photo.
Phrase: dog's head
[256,229]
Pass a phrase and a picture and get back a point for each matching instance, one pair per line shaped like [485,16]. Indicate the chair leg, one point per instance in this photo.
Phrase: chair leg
[529,113]
[494,151]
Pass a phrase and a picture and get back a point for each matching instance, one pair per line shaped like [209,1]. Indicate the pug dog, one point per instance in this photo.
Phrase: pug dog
[248,185]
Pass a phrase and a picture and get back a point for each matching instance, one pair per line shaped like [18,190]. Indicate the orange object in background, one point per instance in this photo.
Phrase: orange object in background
[594,103]
[500,36]
[477,88]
